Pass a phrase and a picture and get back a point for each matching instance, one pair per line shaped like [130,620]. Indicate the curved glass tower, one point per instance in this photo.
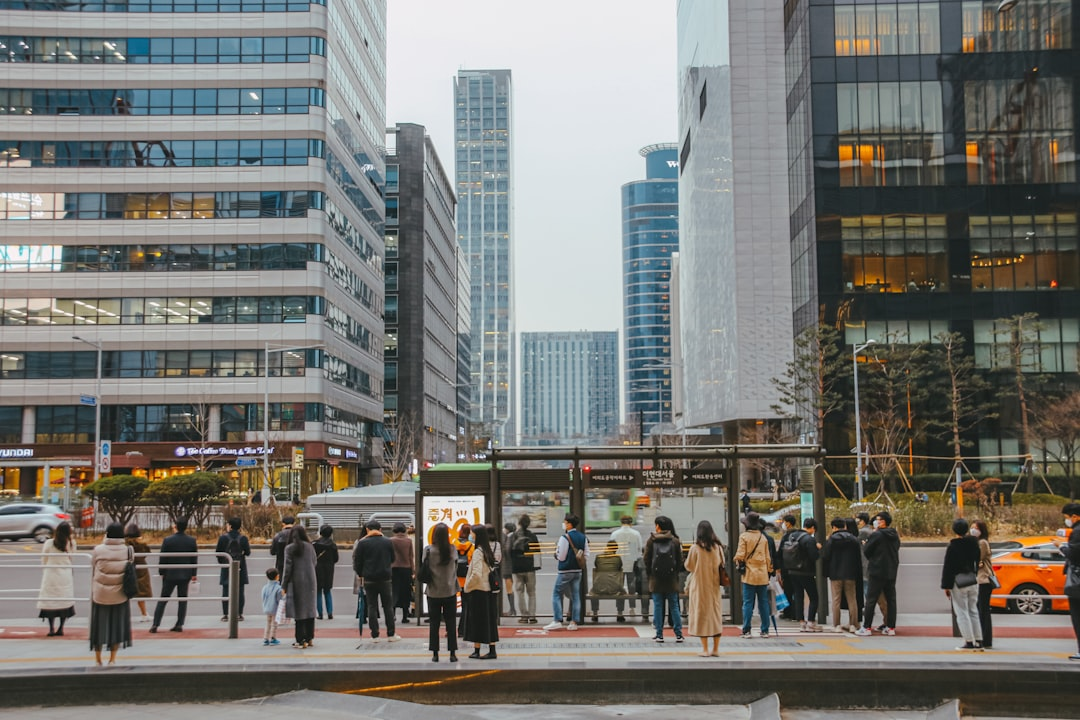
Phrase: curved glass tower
[650,219]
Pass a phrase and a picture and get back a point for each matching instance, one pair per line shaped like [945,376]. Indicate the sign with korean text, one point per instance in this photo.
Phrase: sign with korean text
[704,478]
[454,510]
[660,477]
[297,458]
[613,478]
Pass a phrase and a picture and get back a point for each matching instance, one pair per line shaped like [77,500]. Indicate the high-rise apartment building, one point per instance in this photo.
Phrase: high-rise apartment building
[569,387]
[650,231]
[735,282]
[194,190]
[483,136]
[934,182]
[421,299]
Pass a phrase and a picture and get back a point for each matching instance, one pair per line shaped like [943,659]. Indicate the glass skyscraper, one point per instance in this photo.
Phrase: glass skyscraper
[197,190]
[933,178]
[569,387]
[483,114]
[650,230]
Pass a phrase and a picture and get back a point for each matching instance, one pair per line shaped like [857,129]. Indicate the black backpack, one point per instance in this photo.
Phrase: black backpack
[794,553]
[463,563]
[235,549]
[664,564]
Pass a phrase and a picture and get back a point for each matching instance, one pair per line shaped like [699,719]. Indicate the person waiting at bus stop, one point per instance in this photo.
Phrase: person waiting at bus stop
[568,580]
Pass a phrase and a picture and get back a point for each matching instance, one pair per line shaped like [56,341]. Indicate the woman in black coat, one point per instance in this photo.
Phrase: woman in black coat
[298,585]
[962,559]
[326,557]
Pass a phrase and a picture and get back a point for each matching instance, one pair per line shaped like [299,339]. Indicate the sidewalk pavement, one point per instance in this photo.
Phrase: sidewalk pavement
[605,663]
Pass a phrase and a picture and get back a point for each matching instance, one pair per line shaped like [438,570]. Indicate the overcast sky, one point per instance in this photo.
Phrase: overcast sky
[594,82]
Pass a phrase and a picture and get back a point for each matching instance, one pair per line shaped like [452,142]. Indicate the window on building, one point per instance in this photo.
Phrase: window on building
[1024,253]
[905,28]
[1028,25]
[894,253]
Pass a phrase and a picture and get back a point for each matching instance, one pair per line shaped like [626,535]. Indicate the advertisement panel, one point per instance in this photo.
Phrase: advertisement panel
[454,510]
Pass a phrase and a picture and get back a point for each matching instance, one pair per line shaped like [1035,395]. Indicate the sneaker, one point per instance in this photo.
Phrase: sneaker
[853,628]
[376,639]
[814,627]
[393,638]
[523,621]
[533,620]
[224,618]
[837,628]
[888,631]
[275,641]
[969,647]
[572,626]
[596,618]
[1075,657]
[882,628]
[746,636]
[144,618]
[863,632]
[659,638]
[240,618]
[620,619]
[554,625]
[803,627]
[765,635]
[266,642]
[678,638]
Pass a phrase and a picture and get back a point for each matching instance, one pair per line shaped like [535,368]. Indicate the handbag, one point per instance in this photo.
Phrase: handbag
[423,574]
[579,555]
[280,617]
[495,578]
[131,578]
[966,579]
[724,579]
[194,588]
[740,565]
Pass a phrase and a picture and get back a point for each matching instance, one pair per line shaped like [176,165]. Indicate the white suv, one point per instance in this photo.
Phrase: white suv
[30,520]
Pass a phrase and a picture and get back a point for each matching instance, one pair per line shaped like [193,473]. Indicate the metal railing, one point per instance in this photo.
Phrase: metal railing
[232,597]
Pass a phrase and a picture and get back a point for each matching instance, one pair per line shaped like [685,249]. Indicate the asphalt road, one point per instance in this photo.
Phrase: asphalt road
[917,584]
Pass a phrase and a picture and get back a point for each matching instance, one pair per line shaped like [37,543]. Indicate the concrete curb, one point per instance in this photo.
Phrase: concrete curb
[989,689]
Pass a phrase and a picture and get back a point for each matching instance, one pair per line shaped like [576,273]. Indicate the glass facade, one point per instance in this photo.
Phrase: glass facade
[943,193]
[292,260]
[484,182]
[650,229]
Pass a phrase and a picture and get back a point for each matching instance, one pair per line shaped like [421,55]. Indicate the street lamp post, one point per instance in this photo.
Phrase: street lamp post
[97,405]
[267,496]
[858,427]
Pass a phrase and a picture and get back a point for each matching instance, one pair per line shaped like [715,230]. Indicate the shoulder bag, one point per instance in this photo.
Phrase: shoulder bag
[579,554]
[131,578]
[494,577]
[423,574]
[740,566]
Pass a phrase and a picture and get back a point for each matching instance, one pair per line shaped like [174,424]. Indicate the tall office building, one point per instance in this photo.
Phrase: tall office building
[483,135]
[421,298]
[735,280]
[650,230]
[569,387]
[933,179]
[194,190]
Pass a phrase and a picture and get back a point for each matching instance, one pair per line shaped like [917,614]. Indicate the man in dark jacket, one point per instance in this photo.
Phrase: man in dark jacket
[842,561]
[882,551]
[280,542]
[372,560]
[176,578]
[1071,550]
[238,548]
[798,562]
[524,547]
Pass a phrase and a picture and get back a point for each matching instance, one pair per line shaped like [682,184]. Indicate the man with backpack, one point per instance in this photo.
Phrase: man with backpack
[238,548]
[523,545]
[572,553]
[280,542]
[798,558]
[663,563]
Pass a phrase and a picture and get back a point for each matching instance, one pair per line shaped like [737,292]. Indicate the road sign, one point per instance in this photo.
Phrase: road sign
[660,477]
[247,462]
[613,478]
[703,478]
[298,458]
[105,461]
[88,400]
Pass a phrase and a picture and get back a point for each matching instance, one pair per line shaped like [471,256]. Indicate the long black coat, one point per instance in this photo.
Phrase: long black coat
[298,581]
[176,543]
[326,557]
[842,556]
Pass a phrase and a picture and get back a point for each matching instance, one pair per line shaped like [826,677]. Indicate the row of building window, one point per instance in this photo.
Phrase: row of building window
[1018,131]
[164,50]
[175,101]
[174,257]
[161,6]
[159,206]
[156,363]
[184,363]
[160,310]
[159,153]
[910,28]
[897,254]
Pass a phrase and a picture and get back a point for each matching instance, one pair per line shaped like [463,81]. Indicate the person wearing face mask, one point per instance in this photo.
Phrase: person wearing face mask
[882,551]
[981,532]
[1071,550]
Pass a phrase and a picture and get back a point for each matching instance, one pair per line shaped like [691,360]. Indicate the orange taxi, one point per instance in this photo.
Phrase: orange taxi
[1032,567]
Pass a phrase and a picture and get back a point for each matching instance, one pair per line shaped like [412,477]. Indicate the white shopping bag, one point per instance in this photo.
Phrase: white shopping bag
[193,588]
[279,616]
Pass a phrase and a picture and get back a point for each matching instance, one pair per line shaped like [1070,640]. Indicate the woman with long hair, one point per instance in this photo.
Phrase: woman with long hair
[441,558]
[133,539]
[705,617]
[55,601]
[326,559]
[962,558]
[298,585]
[481,610]
[981,532]
[110,613]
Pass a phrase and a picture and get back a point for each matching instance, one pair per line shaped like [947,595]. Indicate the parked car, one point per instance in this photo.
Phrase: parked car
[1032,567]
[30,520]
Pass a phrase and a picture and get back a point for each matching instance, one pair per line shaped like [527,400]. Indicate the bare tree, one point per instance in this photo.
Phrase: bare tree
[810,388]
[1021,351]
[402,447]
[767,433]
[1059,421]
[197,422]
[965,390]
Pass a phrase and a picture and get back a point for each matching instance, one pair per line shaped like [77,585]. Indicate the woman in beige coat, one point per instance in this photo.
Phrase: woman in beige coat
[703,563]
[57,582]
[753,555]
[110,613]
